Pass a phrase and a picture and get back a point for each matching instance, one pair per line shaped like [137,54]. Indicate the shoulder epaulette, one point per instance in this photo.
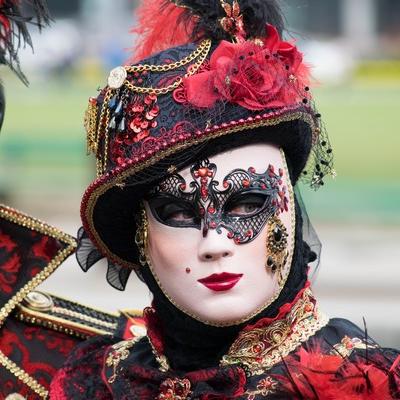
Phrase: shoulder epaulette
[65,316]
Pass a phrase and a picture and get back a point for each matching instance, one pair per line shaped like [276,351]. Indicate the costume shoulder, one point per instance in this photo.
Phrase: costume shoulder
[38,330]
[93,365]
[340,361]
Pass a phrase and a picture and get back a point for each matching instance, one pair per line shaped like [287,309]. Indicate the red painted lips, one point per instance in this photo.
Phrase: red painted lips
[220,282]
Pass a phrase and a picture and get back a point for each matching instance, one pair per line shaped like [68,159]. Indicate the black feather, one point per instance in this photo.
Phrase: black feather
[256,14]
[17,35]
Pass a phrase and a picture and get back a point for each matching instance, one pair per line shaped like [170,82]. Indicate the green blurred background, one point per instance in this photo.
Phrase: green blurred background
[354,46]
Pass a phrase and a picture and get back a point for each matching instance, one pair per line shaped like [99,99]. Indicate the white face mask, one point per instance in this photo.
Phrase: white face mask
[207,245]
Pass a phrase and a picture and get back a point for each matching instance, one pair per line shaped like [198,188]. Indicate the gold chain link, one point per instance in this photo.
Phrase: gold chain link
[203,46]
[103,120]
[202,52]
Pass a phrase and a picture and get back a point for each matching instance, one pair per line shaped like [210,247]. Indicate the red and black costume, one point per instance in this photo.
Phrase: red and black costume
[222,78]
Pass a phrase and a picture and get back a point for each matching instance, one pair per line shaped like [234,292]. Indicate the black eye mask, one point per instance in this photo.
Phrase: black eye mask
[242,206]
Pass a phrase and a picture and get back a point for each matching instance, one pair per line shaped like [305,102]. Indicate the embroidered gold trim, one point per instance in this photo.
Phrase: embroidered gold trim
[259,349]
[347,345]
[91,202]
[18,372]
[33,224]
[265,387]
[119,352]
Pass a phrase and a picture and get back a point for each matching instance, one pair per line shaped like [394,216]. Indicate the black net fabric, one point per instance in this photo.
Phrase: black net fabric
[117,276]
[310,237]
[88,255]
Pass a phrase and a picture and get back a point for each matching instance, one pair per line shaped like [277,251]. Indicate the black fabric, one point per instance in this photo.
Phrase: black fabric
[191,344]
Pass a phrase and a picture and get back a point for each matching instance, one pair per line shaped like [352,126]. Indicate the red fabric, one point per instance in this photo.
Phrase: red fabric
[23,254]
[158,28]
[81,376]
[255,76]
[154,329]
[26,345]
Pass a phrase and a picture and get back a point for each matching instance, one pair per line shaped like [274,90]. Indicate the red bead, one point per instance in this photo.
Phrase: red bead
[202,172]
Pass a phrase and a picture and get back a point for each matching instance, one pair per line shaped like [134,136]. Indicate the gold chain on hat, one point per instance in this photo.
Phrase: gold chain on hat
[97,119]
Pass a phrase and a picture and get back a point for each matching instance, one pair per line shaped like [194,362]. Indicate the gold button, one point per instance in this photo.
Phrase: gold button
[38,301]
[15,396]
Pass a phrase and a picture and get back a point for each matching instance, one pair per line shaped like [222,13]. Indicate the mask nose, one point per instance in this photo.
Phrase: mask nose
[214,246]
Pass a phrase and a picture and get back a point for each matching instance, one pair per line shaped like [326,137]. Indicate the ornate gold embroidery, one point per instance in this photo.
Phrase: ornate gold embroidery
[119,352]
[174,389]
[259,349]
[347,345]
[265,387]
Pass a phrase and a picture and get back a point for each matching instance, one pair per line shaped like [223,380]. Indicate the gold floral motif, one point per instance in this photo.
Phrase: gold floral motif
[347,345]
[265,387]
[259,349]
[119,352]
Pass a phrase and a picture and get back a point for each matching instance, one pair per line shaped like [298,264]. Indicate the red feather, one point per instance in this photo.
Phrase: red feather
[316,376]
[160,25]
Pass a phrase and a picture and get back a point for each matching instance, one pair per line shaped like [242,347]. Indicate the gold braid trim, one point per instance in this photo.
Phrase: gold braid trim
[259,349]
[23,376]
[33,224]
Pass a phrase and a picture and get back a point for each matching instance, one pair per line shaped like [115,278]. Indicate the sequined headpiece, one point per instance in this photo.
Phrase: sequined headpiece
[225,85]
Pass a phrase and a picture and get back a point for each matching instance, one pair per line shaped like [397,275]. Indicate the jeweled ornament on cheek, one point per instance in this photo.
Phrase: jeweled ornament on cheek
[242,207]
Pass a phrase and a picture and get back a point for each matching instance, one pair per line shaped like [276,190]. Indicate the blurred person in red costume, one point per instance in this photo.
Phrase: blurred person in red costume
[200,142]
